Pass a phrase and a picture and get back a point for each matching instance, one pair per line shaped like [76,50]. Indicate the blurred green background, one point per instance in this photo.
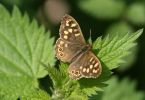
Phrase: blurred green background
[101,17]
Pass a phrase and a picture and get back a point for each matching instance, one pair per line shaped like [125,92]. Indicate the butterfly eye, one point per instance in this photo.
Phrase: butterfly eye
[60,49]
[61,54]
[72,71]
[77,72]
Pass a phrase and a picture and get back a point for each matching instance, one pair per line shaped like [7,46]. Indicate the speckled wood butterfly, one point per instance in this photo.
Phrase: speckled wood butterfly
[72,48]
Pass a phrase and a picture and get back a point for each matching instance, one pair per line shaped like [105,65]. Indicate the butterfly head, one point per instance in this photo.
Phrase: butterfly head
[87,47]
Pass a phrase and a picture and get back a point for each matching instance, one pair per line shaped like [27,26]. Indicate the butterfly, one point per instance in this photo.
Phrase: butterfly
[72,48]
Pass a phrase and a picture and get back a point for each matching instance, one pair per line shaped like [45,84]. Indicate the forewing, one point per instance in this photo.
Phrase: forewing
[87,65]
[65,51]
[71,39]
[70,30]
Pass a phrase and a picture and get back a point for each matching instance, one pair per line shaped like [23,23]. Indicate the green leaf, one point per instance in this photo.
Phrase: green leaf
[111,50]
[136,13]
[120,90]
[23,45]
[106,9]
[77,98]
[61,82]
[123,28]
[36,95]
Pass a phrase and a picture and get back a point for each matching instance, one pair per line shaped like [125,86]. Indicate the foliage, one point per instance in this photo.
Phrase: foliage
[136,13]
[112,48]
[26,51]
[36,95]
[102,8]
[120,90]
[23,45]
[121,28]
[113,9]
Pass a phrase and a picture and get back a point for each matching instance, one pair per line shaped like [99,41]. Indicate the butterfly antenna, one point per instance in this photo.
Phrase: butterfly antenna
[90,37]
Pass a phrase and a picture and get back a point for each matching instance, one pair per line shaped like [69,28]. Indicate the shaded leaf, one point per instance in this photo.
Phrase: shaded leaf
[120,27]
[120,90]
[106,9]
[136,13]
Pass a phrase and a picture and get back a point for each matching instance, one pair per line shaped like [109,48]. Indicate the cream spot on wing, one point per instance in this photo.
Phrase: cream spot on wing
[95,71]
[59,45]
[81,67]
[91,66]
[65,32]
[73,25]
[84,69]
[65,37]
[67,22]
[75,30]
[96,64]
[91,59]
[66,45]
[70,30]
[88,70]
[77,34]
[61,42]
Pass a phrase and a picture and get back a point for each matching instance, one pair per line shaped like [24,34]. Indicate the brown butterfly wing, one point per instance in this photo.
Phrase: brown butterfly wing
[71,39]
[86,65]
[70,30]
[66,51]
[71,45]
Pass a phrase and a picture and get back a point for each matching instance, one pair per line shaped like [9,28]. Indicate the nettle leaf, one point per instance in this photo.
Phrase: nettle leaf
[106,9]
[63,86]
[23,47]
[120,90]
[112,49]
[36,95]
[123,28]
